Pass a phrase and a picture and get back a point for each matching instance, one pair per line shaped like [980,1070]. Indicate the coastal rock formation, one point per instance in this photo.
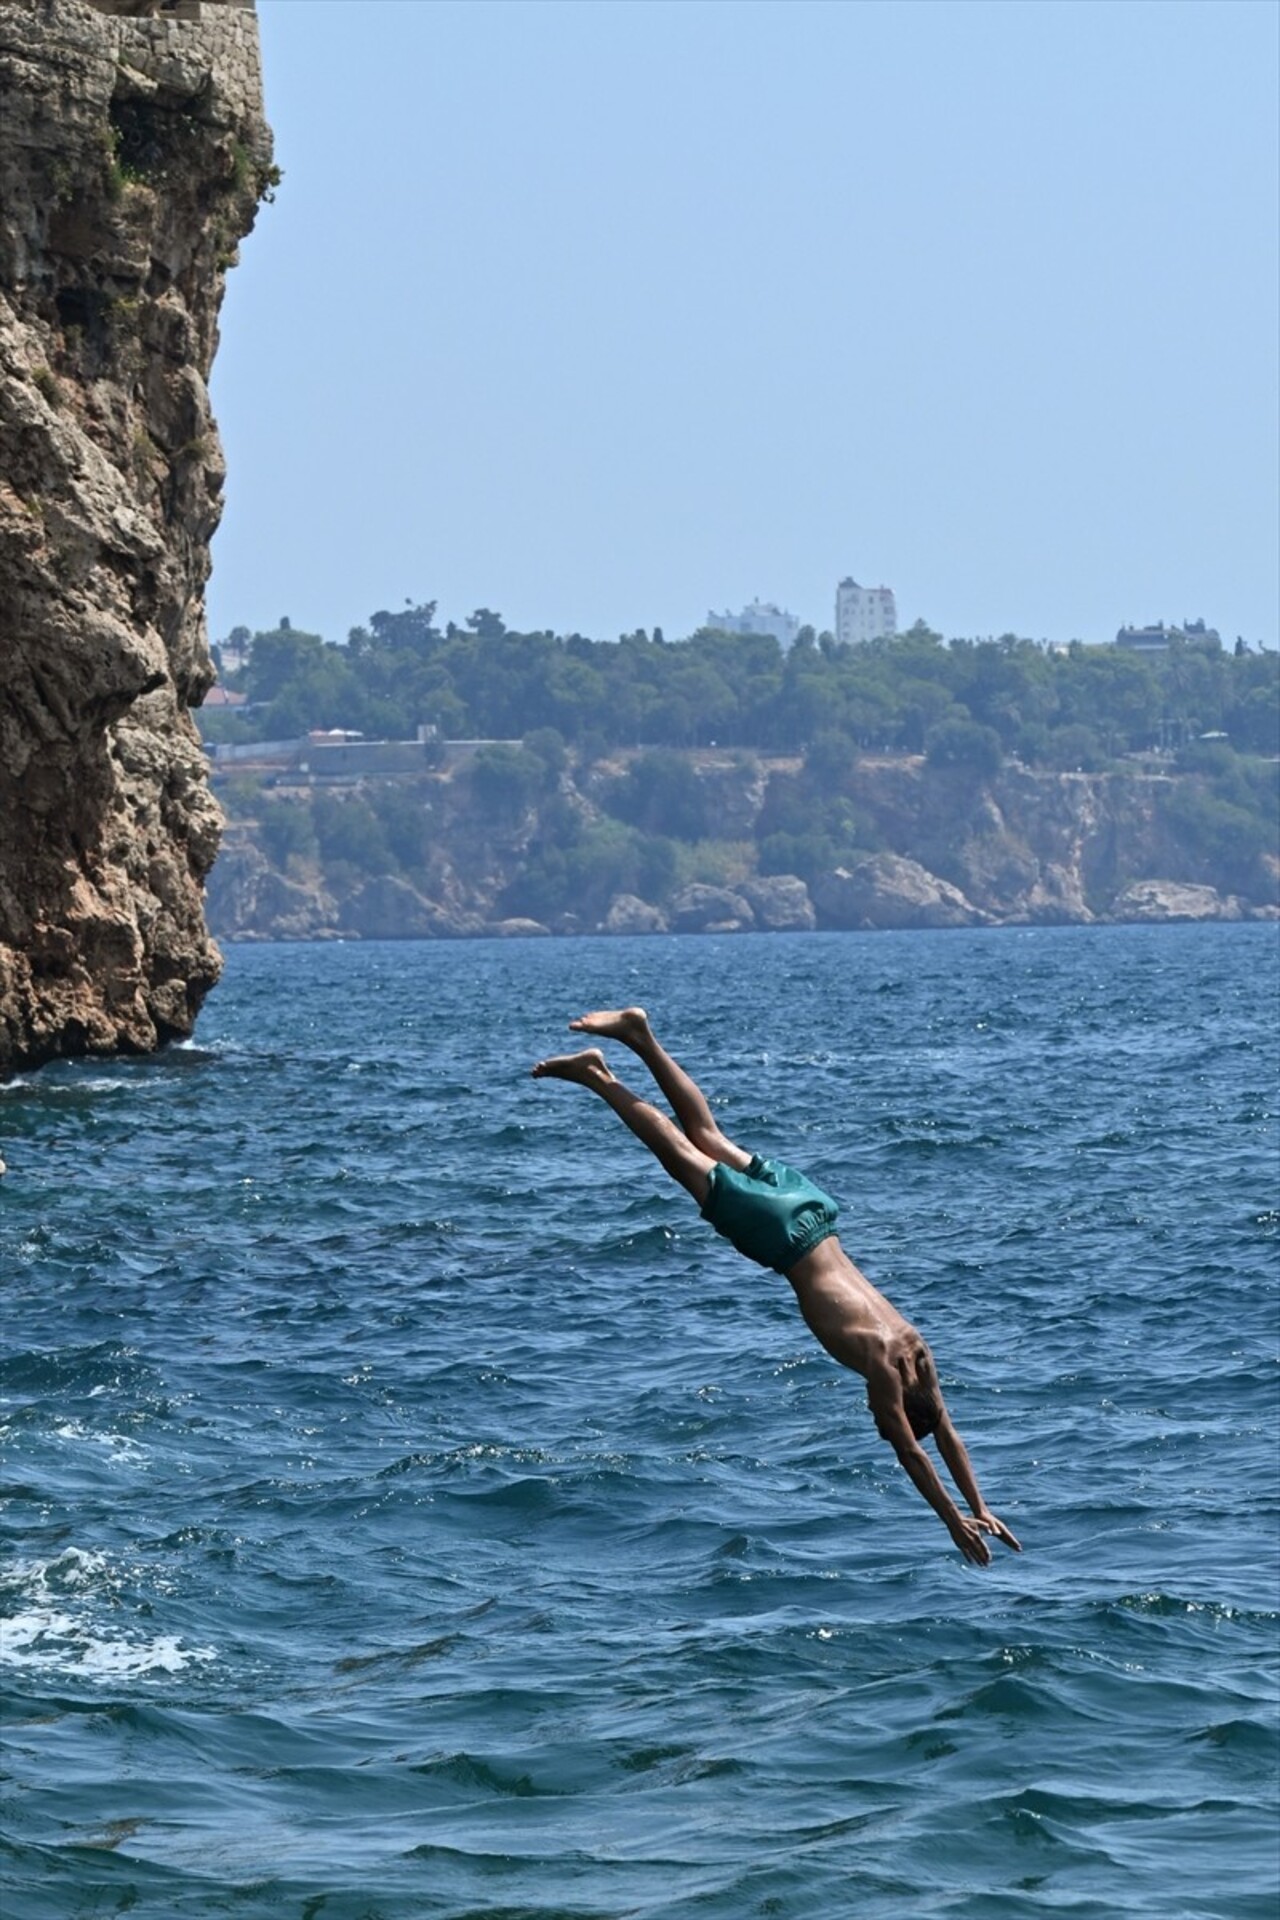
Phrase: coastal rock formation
[1055,898]
[518,928]
[247,893]
[702,909]
[629,914]
[1162,900]
[385,908]
[133,153]
[888,891]
[780,903]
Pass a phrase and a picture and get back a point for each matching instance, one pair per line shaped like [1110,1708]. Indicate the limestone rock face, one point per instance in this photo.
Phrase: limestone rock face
[702,909]
[1056,899]
[517,927]
[889,891]
[254,901]
[385,908]
[132,155]
[781,904]
[629,914]
[1173,900]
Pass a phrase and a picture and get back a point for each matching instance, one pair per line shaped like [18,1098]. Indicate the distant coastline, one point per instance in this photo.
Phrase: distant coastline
[313,853]
[424,784]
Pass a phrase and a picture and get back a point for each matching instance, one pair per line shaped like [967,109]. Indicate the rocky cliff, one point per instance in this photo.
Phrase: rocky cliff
[931,849]
[133,154]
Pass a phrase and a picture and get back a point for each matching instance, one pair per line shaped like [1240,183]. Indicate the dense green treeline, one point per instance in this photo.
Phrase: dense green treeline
[963,703]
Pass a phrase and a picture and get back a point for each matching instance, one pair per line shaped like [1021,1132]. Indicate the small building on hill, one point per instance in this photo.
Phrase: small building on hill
[760,617]
[1159,639]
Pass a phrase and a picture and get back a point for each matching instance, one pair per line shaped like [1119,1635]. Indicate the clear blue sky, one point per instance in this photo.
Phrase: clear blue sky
[606,312]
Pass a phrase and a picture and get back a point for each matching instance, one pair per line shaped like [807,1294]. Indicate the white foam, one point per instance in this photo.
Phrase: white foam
[49,1640]
[73,1567]
[51,1629]
[120,1449]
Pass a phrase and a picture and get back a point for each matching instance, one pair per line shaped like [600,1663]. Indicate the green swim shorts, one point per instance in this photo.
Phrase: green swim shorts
[771,1213]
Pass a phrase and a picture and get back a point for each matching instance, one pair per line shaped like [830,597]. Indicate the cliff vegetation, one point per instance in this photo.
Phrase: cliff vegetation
[419,782]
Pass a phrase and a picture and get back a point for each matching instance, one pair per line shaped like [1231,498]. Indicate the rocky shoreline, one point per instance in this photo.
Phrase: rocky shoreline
[1025,849]
[882,893]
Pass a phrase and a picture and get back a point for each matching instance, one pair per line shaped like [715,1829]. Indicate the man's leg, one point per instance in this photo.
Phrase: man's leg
[631,1026]
[682,1159]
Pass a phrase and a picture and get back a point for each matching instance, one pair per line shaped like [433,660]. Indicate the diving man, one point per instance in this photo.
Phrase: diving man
[778,1218]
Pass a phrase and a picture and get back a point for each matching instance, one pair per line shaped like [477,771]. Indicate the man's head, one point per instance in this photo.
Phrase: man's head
[921,1395]
[921,1398]
[923,1409]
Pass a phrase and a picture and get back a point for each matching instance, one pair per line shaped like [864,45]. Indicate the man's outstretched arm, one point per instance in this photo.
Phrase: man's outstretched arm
[967,1533]
[960,1467]
[884,1396]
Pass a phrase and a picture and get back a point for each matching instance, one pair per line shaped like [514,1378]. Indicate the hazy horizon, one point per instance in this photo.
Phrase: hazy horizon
[608,316]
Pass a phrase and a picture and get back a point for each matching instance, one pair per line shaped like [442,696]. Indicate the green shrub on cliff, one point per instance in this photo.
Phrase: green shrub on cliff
[580,872]
[1222,843]
[349,831]
[662,794]
[286,831]
[1072,749]
[805,854]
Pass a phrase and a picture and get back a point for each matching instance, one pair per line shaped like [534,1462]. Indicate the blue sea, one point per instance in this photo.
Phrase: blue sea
[412,1509]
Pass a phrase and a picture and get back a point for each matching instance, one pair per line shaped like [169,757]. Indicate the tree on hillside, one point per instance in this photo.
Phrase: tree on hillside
[922,706]
[411,631]
[830,759]
[279,658]
[486,624]
[323,692]
[965,745]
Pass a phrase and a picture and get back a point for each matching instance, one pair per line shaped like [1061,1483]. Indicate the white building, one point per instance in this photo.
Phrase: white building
[760,617]
[864,613]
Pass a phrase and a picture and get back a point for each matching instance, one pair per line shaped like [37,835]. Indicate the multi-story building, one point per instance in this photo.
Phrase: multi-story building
[760,617]
[1158,639]
[864,613]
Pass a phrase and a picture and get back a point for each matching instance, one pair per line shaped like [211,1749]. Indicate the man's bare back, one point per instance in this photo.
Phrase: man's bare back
[852,1319]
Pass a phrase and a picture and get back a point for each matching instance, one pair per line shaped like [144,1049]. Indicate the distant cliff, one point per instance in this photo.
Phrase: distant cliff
[505,842]
[133,154]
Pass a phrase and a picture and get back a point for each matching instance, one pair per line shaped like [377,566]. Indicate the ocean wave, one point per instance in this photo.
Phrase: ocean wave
[119,1448]
[75,1368]
[1161,1606]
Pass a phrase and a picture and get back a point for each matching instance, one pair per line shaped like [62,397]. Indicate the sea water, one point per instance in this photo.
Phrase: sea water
[412,1508]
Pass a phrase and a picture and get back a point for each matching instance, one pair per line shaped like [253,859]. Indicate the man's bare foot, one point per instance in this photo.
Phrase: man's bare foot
[587,1068]
[628,1024]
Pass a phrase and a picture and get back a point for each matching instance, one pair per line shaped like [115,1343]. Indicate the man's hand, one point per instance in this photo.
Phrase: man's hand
[988,1520]
[967,1535]
[967,1532]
